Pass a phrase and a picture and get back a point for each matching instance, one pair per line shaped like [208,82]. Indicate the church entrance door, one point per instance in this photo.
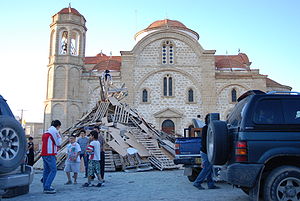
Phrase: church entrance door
[168,126]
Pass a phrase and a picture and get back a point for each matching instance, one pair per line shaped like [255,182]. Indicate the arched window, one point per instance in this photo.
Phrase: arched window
[74,46]
[145,96]
[167,52]
[63,44]
[191,95]
[168,86]
[233,95]
[168,126]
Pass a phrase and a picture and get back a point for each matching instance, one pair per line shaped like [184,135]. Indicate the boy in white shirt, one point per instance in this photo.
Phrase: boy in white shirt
[93,150]
[73,160]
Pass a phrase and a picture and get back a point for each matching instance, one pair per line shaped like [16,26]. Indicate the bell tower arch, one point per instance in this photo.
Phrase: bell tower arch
[66,61]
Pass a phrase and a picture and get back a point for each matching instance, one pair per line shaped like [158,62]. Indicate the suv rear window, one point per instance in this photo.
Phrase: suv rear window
[268,111]
[277,111]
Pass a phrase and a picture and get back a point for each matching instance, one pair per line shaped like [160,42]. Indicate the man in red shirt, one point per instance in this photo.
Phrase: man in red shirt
[51,141]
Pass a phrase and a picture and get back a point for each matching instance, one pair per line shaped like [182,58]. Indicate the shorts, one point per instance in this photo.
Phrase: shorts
[72,167]
[93,167]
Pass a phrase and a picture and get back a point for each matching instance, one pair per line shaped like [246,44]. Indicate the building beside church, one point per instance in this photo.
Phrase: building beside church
[170,77]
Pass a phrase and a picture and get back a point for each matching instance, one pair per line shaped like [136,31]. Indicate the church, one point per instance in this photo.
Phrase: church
[169,76]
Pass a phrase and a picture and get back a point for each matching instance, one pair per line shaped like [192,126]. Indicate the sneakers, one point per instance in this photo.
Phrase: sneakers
[68,182]
[99,185]
[49,191]
[86,185]
[198,186]
[214,187]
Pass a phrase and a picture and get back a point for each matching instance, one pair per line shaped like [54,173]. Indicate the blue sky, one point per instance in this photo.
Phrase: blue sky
[267,31]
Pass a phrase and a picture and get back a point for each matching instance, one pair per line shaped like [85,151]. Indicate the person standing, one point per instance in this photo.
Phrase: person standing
[73,160]
[207,168]
[30,151]
[102,153]
[51,141]
[83,142]
[93,151]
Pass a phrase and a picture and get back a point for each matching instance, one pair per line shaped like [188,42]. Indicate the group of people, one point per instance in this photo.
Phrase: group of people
[91,150]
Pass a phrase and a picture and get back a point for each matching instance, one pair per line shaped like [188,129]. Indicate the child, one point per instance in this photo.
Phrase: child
[93,150]
[30,151]
[83,142]
[73,160]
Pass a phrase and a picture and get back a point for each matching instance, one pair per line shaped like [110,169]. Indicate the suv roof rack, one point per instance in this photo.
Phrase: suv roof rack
[284,92]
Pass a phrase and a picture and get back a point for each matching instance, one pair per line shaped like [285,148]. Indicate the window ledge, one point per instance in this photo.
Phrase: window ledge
[168,96]
[187,102]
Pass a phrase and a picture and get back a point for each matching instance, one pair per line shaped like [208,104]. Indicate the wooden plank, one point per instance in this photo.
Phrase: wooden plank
[115,133]
[113,101]
[142,151]
[120,150]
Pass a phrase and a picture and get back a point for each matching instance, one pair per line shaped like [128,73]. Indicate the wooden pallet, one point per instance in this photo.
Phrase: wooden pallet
[109,162]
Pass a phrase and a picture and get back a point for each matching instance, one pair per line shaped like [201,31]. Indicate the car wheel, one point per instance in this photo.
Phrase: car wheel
[195,173]
[12,144]
[283,183]
[217,142]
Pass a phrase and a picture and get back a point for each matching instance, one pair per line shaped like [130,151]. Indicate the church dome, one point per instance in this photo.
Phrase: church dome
[69,10]
[165,24]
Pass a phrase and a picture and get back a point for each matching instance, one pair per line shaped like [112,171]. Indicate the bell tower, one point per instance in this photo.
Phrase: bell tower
[66,61]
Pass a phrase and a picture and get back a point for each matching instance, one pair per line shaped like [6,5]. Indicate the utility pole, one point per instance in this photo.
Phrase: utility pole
[21,118]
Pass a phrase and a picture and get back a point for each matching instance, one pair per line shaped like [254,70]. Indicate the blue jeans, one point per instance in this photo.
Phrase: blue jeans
[49,171]
[85,160]
[206,172]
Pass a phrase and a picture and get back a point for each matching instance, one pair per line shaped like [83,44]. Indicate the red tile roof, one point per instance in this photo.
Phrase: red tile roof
[104,62]
[272,83]
[69,10]
[232,61]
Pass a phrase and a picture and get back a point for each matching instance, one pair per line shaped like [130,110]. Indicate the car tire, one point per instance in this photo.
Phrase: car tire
[15,191]
[12,144]
[217,142]
[195,173]
[283,184]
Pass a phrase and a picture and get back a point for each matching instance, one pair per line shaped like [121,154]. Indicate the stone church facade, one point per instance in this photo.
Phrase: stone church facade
[170,77]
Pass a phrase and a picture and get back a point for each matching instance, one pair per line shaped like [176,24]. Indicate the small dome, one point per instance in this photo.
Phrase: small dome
[237,62]
[69,10]
[165,24]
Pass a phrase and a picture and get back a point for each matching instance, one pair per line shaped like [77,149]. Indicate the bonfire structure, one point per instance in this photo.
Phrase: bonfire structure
[131,144]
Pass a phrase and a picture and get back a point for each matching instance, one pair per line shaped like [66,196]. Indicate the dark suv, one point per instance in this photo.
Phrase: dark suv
[15,176]
[258,145]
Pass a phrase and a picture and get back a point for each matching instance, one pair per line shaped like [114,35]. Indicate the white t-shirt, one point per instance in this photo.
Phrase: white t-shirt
[94,146]
[72,150]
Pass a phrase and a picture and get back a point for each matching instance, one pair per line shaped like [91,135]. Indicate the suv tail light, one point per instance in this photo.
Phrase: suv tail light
[241,151]
[177,149]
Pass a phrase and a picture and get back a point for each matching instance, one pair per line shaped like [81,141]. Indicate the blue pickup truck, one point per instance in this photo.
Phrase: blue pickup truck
[187,151]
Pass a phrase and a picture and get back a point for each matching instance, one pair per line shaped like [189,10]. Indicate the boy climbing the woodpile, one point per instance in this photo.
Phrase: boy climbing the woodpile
[73,160]
[93,150]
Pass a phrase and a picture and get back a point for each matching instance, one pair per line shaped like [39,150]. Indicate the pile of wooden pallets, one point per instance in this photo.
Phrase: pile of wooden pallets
[122,127]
